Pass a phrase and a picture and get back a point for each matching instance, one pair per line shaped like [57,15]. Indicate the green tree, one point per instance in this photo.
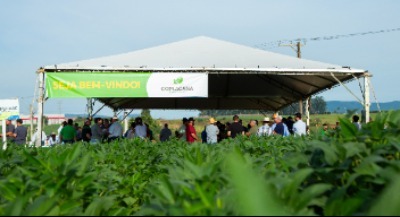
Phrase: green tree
[147,119]
[318,105]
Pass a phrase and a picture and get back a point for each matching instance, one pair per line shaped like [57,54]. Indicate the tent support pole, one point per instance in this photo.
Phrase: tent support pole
[90,108]
[38,141]
[366,99]
[125,120]
[301,106]
[4,132]
[308,111]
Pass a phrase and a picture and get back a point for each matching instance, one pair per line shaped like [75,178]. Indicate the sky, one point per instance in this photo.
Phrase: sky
[38,33]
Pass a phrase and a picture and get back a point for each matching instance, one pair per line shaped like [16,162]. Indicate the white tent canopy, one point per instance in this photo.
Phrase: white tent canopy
[240,77]
[198,52]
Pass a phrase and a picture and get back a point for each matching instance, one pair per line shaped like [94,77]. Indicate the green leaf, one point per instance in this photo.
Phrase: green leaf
[99,205]
[130,200]
[40,206]
[348,130]
[388,202]
[311,193]
[254,194]
[330,155]
[298,178]
[353,148]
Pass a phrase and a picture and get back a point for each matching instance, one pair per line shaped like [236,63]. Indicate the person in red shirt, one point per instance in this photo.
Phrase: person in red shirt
[190,131]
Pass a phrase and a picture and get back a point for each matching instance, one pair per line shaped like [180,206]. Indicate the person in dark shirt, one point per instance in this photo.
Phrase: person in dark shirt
[279,128]
[20,133]
[235,128]
[289,124]
[165,133]
[204,135]
[86,131]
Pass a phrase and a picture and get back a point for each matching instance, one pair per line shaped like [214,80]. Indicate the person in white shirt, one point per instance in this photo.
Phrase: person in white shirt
[356,123]
[52,139]
[34,137]
[140,129]
[63,124]
[212,132]
[299,127]
[265,129]
[115,130]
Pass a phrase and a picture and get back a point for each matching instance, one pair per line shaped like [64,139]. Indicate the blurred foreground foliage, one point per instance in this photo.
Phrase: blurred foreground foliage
[347,172]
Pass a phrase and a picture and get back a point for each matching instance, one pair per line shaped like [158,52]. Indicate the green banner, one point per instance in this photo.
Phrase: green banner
[78,85]
[138,85]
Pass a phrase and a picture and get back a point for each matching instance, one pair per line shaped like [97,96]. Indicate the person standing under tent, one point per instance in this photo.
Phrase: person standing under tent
[203,135]
[63,124]
[191,135]
[212,132]
[10,128]
[289,124]
[299,127]
[115,130]
[34,137]
[140,128]
[181,133]
[265,129]
[20,133]
[235,128]
[165,133]
[97,132]
[278,119]
[68,133]
[130,133]
[149,132]
[86,131]
[356,118]
[279,128]
[52,139]
[253,130]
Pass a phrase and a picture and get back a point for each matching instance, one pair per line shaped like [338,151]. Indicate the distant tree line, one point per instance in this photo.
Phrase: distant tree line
[317,106]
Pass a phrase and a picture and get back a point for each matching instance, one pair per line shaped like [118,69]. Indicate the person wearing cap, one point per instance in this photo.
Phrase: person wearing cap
[191,135]
[212,132]
[265,129]
[181,133]
[20,133]
[235,128]
[299,127]
[115,130]
[86,131]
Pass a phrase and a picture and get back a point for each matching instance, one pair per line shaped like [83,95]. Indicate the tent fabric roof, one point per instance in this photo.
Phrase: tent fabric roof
[240,77]
[198,52]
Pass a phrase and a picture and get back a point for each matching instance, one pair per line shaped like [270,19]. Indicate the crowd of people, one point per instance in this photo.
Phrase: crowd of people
[101,131]
[107,130]
[215,131]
